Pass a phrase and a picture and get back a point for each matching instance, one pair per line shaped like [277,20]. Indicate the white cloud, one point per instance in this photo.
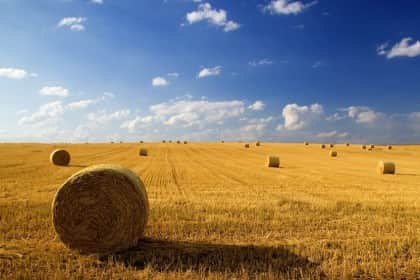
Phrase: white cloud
[132,125]
[207,72]
[73,23]
[332,134]
[284,7]
[54,91]
[103,117]
[13,73]
[362,114]
[81,104]
[205,12]
[46,112]
[257,106]
[99,2]
[160,82]
[297,117]
[406,47]
[264,61]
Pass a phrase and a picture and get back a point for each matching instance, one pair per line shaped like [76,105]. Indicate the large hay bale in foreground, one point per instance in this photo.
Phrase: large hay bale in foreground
[385,167]
[273,161]
[143,152]
[333,154]
[246,146]
[101,209]
[60,157]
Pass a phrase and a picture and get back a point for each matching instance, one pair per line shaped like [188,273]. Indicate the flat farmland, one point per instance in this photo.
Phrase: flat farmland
[217,211]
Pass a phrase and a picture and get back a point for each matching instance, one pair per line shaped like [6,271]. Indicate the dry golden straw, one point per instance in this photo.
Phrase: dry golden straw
[385,167]
[246,145]
[143,152]
[273,161]
[333,154]
[60,157]
[101,209]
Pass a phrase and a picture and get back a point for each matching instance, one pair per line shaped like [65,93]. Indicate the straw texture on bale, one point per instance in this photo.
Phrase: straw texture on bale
[333,154]
[246,145]
[101,209]
[322,146]
[273,161]
[143,152]
[60,157]
[385,167]
[257,143]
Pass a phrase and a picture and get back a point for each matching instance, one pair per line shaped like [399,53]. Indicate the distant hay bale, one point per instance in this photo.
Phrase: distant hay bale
[178,142]
[372,146]
[222,141]
[170,141]
[348,144]
[60,157]
[185,142]
[163,141]
[257,143]
[141,142]
[363,147]
[385,167]
[306,143]
[246,145]
[101,209]
[389,147]
[273,161]
[331,145]
[323,146]
[143,152]
[333,154]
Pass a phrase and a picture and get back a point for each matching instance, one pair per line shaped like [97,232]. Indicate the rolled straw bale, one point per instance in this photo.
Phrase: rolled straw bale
[185,142]
[389,147]
[333,154]
[322,146]
[246,145]
[101,209]
[372,146]
[273,161]
[222,141]
[348,144]
[141,142]
[143,152]
[178,142]
[385,167]
[363,147]
[257,143]
[163,141]
[170,141]
[60,157]
[306,143]
[331,145]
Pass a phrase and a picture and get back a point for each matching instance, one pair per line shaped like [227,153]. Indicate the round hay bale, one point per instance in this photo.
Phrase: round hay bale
[348,144]
[143,152]
[257,143]
[385,167]
[273,161]
[323,146]
[389,147]
[60,157]
[222,141]
[246,146]
[101,209]
[141,142]
[333,154]
[331,145]
[170,141]
[185,142]
[372,146]
[306,143]
[163,141]
[363,147]
[178,142]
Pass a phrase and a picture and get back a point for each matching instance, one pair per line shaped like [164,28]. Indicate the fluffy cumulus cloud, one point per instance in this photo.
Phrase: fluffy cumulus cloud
[205,12]
[207,72]
[332,134]
[73,23]
[285,7]
[81,104]
[13,73]
[46,112]
[54,91]
[103,117]
[160,82]
[297,117]
[406,47]
[257,106]
[363,114]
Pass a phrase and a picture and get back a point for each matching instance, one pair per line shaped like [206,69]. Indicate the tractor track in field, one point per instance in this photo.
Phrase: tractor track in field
[174,175]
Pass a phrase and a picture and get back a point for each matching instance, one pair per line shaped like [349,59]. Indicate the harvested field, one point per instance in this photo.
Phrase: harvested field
[217,211]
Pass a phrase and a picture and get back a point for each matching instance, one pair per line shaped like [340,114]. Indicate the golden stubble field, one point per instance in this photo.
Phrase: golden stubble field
[218,212]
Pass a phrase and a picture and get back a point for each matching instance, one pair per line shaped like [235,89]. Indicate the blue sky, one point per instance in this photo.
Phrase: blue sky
[275,70]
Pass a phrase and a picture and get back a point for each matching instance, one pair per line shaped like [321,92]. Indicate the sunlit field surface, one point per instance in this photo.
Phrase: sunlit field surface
[216,211]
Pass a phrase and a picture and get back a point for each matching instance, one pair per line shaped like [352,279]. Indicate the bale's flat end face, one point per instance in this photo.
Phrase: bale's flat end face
[386,168]
[60,157]
[273,162]
[101,209]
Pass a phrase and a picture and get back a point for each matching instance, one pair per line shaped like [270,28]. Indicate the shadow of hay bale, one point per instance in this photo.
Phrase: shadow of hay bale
[162,255]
